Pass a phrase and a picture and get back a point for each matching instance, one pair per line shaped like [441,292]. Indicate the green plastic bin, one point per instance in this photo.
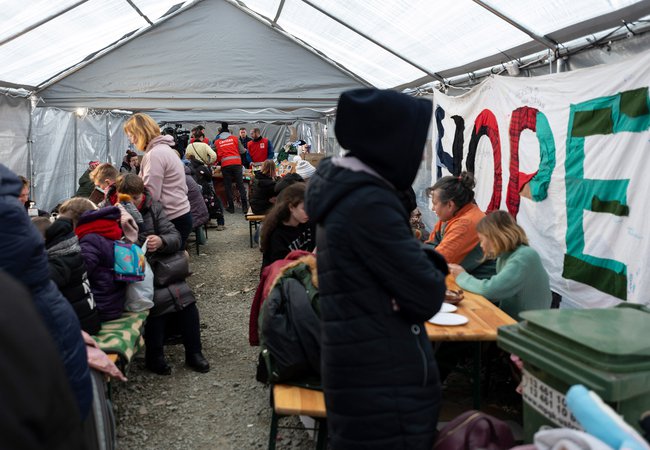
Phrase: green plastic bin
[607,350]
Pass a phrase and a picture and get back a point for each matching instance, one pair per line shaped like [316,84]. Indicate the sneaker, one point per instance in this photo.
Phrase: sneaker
[221,227]
[212,224]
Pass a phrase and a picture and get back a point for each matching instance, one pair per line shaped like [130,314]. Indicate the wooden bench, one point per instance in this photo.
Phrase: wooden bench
[253,222]
[297,401]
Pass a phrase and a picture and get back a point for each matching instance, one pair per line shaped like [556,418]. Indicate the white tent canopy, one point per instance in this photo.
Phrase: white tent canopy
[274,57]
[194,62]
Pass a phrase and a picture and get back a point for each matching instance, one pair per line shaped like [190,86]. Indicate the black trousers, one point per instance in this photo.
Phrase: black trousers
[230,174]
[188,321]
[184,226]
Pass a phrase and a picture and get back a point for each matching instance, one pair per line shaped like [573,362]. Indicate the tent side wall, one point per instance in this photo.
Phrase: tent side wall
[14,133]
[64,143]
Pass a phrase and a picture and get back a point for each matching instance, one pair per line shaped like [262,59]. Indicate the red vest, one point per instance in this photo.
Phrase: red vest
[259,150]
[228,151]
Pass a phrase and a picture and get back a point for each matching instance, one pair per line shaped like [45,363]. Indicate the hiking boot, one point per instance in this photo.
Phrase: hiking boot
[221,227]
[158,366]
[197,362]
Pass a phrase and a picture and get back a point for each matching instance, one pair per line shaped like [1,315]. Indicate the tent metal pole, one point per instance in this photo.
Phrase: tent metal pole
[139,12]
[541,39]
[76,150]
[41,22]
[374,41]
[108,138]
[277,15]
[30,150]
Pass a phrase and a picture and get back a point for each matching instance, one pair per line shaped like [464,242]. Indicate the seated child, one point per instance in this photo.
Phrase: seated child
[287,226]
[521,282]
[97,230]
[68,271]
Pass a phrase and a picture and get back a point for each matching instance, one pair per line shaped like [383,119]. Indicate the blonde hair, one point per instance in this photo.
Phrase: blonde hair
[103,172]
[504,234]
[73,208]
[143,128]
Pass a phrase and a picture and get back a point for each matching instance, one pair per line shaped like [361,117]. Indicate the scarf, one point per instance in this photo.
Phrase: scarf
[103,227]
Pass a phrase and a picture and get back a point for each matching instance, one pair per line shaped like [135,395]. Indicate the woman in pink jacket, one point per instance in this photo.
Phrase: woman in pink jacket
[162,171]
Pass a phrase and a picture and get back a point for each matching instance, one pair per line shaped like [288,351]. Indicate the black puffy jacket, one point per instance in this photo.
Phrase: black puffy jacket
[377,285]
[22,255]
[262,191]
[154,221]
[68,271]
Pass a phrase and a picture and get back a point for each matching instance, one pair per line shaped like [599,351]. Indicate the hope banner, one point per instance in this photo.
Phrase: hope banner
[569,155]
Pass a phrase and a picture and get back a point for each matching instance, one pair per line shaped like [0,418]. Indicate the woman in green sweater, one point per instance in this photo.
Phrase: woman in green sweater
[521,282]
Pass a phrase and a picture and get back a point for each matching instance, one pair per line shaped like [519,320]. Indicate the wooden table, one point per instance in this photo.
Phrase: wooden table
[484,320]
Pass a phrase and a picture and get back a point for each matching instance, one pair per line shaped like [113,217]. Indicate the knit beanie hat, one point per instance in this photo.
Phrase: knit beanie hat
[305,169]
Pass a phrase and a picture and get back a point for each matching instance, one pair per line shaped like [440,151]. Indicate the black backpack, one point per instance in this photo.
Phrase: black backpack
[290,335]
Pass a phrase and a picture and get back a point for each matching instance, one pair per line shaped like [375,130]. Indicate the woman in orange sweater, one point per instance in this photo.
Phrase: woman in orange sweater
[454,236]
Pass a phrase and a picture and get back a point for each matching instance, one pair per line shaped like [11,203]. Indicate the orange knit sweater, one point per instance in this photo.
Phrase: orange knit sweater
[458,234]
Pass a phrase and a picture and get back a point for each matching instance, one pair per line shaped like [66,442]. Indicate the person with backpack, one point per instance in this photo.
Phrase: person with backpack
[97,231]
[172,295]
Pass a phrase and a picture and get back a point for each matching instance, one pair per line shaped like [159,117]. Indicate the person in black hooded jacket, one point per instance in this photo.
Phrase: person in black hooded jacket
[378,284]
[68,271]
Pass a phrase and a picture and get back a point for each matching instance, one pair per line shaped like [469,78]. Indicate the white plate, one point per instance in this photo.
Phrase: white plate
[448,319]
[448,308]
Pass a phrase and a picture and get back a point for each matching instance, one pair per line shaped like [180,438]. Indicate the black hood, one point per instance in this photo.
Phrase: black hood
[386,130]
[330,184]
[10,184]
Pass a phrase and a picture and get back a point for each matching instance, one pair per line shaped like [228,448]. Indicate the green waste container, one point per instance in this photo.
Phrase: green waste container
[607,350]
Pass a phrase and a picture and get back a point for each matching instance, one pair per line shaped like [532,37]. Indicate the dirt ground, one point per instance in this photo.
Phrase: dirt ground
[225,408]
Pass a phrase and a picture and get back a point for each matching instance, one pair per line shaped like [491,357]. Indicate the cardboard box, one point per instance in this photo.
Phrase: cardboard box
[313,158]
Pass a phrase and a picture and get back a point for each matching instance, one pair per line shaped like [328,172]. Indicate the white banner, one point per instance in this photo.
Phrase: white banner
[568,154]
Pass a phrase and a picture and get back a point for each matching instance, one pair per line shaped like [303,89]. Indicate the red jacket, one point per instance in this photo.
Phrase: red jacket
[259,150]
[227,151]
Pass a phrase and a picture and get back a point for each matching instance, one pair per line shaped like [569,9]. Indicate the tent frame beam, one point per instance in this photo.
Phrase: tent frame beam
[374,41]
[545,41]
[144,16]
[277,15]
[41,22]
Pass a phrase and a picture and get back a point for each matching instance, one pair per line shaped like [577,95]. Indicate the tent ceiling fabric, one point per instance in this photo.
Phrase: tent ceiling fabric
[156,69]
[188,63]
[64,41]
